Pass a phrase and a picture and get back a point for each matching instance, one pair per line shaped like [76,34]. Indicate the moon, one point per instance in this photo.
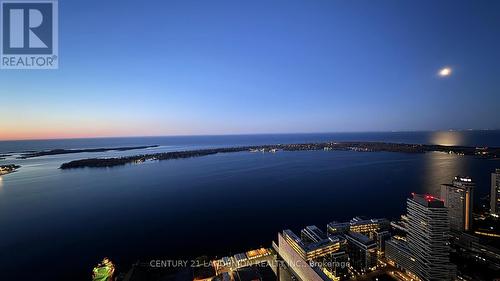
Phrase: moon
[445,72]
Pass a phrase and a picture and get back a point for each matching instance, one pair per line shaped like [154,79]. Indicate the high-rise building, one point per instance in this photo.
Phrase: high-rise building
[495,193]
[362,252]
[295,261]
[381,237]
[428,237]
[399,255]
[458,198]
[324,259]
[311,251]
[336,266]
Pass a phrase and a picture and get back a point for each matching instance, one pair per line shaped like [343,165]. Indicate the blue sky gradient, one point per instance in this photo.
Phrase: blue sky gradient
[230,67]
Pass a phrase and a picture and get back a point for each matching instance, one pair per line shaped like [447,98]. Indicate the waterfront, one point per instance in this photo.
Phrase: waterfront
[481,152]
[215,205]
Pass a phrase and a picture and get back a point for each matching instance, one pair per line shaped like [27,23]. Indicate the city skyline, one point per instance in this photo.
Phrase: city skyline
[261,67]
[262,140]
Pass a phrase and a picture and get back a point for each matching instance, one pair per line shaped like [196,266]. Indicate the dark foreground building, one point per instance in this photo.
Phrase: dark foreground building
[426,251]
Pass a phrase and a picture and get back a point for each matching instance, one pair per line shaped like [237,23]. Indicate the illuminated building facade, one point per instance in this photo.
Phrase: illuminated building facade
[380,237]
[428,237]
[458,198]
[481,248]
[296,262]
[336,266]
[362,252]
[359,225]
[495,193]
[314,257]
[311,251]
[255,254]
[398,254]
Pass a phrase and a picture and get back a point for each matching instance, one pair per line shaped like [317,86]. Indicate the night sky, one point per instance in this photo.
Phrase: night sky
[134,68]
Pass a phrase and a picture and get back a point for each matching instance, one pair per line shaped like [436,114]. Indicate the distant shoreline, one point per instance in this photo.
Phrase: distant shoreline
[7,169]
[483,152]
[3,156]
[71,151]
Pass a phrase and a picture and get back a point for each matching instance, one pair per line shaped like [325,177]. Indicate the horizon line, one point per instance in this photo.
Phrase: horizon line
[243,134]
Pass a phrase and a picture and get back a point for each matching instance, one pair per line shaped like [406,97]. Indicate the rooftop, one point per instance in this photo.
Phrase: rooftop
[360,237]
[311,246]
[428,200]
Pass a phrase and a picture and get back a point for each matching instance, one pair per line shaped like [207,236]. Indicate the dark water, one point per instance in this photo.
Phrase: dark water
[57,224]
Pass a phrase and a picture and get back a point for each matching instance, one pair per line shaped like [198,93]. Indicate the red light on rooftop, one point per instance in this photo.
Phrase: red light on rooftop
[426,197]
[430,198]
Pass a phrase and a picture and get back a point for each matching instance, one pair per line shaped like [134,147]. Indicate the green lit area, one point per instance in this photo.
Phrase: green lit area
[104,271]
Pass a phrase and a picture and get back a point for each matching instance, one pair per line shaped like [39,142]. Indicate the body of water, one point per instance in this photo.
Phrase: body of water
[57,224]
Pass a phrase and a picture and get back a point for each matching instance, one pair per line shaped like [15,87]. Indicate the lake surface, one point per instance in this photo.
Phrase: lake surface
[57,224]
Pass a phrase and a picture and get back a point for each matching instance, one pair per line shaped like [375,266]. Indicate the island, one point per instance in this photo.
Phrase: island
[483,152]
[70,151]
[3,156]
[7,169]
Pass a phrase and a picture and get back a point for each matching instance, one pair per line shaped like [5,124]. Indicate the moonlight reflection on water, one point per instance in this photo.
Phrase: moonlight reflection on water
[447,138]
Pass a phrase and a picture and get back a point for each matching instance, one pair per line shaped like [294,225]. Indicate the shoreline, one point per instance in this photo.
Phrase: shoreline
[32,154]
[8,169]
[482,152]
